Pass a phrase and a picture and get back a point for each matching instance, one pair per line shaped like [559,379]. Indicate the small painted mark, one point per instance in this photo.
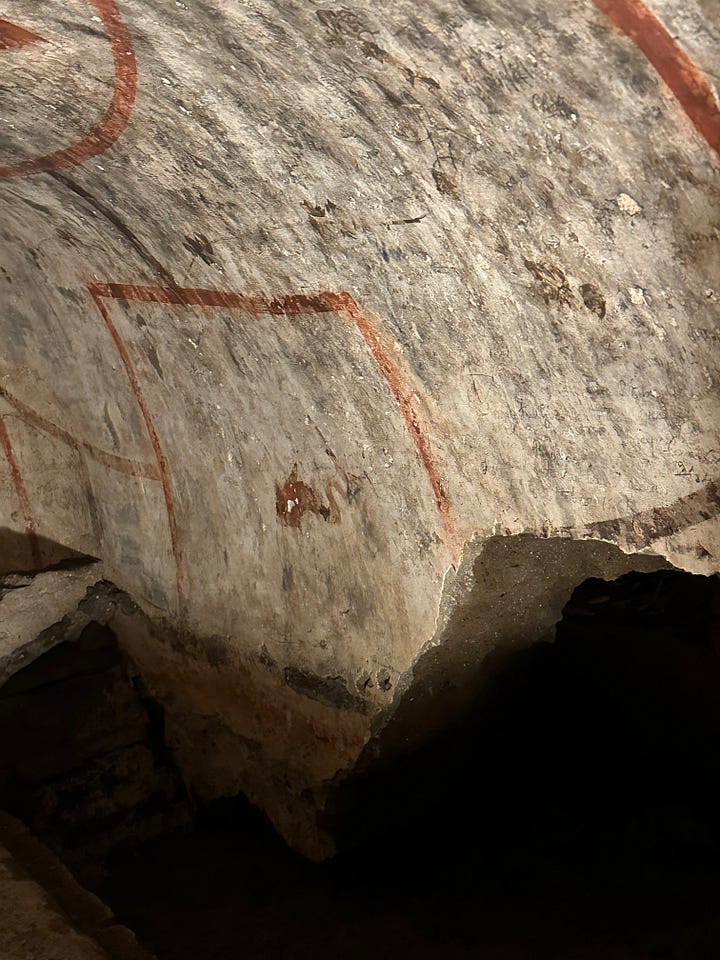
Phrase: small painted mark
[295,498]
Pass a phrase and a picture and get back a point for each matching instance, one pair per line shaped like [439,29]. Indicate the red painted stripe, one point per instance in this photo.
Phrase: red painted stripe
[131,468]
[155,440]
[293,305]
[686,80]
[22,494]
[12,36]
[403,397]
[116,117]
[201,297]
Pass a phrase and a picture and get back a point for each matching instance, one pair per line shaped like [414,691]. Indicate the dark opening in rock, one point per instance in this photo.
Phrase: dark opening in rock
[592,754]
[82,756]
[571,813]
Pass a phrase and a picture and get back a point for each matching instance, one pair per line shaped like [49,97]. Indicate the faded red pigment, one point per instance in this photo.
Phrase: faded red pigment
[116,117]
[683,77]
[154,439]
[131,468]
[292,305]
[12,36]
[295,498]
[22,495]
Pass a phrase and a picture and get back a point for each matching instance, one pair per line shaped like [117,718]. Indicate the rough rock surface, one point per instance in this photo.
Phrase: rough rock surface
[302,304]
[38,612]
[46,915]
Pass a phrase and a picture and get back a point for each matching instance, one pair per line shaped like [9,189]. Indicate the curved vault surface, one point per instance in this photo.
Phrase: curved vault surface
[302,307]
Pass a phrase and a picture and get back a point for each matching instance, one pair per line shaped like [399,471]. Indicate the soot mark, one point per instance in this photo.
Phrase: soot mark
[553,282]
[200,246]
[593,299]
[331,691]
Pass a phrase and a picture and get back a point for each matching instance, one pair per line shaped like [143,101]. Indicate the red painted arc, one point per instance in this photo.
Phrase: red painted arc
[112,461]
[686,80]
[22,494]
[292,305]
[634,17]
[117,115]
[404,398]
[13,36]
[154,440]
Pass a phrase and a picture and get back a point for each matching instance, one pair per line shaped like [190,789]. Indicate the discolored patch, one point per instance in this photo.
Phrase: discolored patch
[200,246]
[446,184]
[331,691]
[553,281]
[295,498]
[593,299]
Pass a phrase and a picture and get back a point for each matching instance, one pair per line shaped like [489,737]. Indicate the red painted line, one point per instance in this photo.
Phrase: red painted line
[22,494]
[404,398]
[199,297]
[292,305]
[116,117]
[12,36]
[154,439]
[131,468]
[686,80]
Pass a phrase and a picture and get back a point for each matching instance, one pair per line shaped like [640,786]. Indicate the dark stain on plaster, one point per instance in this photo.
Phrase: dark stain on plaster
[266,658]
[200,246]
[216,651]
[114,218]
[593,299]
[331,691]
[295,498]
[555,107]
[553,281]
[287,578]
[644,527]
[446,184]
[154,359]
